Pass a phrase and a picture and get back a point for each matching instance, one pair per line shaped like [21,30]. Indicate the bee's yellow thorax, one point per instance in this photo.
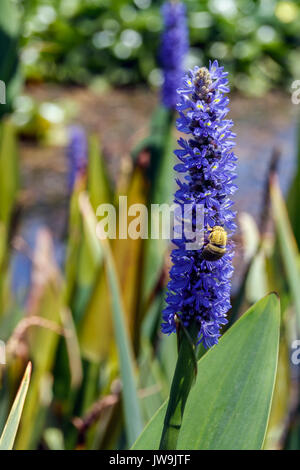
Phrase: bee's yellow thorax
[218,236]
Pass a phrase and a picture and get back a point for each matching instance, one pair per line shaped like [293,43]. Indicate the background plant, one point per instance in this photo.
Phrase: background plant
[91,325]
[75,41]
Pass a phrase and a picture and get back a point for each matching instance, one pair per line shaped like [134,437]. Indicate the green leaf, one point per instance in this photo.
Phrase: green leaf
[9,174]
[43,337]
[10,430]
[281,398]
[287,243]
[229,406]
[150,437]
[133,420]
[152,381]
[294,193]
[54,439]
[73,244]
[98,183]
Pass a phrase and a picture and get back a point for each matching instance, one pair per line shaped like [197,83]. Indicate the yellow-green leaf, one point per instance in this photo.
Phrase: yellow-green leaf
[11,427]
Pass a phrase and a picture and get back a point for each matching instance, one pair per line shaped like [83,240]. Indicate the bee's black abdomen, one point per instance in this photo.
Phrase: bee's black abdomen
[213,253]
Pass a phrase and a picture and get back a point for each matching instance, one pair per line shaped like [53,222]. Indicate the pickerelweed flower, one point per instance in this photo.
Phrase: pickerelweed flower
[174,46]
[199,288]
[77,154]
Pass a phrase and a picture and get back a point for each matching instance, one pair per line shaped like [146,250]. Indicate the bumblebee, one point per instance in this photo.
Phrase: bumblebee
[216,247]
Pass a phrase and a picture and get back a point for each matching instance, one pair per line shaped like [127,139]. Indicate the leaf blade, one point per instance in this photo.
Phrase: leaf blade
[190,437]
[288,244]
[240,415]
[10,430]
[133,420]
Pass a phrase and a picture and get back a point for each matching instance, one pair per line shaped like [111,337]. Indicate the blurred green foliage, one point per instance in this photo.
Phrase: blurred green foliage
[74,40]
[81,329]
[94,324]
[91,328]
[9,61]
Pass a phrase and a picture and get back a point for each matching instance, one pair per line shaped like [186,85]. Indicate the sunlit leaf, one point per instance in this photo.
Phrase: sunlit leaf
[287,242]
[133,420]
[7,438]
[45,304]
[229,406]
[281,400]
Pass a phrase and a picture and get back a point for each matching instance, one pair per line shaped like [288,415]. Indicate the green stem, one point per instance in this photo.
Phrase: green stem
[184,376]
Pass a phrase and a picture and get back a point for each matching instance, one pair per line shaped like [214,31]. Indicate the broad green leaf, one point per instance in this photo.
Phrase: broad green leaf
[229,406]
[11,427]
[236,395]
[149,439]
[287,243]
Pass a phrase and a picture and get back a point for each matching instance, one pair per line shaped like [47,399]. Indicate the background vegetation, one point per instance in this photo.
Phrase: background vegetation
[73,40]
[90,322]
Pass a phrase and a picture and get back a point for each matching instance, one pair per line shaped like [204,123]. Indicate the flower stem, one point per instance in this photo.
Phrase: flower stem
[184,376]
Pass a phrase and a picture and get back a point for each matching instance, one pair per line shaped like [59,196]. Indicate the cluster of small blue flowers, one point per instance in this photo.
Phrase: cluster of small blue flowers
[174,46]
[77,154]
[199,289]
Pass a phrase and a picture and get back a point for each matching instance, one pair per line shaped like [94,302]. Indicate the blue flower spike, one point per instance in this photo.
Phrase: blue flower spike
[174,47]
[200,280]
[77,154]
